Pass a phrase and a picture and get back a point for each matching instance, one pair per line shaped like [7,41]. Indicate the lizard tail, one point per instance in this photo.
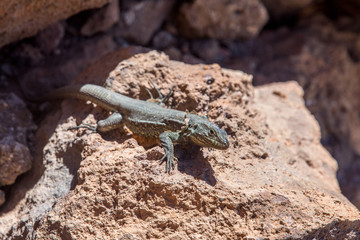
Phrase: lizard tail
[102,97]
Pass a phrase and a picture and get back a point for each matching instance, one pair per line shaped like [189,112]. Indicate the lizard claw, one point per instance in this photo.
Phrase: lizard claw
[163,159]
[161,99]
[170,163]
[92,128]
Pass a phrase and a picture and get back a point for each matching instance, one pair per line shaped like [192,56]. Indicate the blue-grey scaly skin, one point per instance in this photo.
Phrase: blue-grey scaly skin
[148,119]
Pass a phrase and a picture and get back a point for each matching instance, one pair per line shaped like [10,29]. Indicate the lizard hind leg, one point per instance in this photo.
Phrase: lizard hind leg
[110,123]
[114,121]
[160,99]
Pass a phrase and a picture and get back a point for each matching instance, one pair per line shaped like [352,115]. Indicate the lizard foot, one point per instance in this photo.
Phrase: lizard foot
[161,99]
[170,162]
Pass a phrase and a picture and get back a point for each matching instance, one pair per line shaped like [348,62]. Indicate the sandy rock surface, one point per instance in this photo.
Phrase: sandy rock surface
[275,180]
[324,59]
[20,19]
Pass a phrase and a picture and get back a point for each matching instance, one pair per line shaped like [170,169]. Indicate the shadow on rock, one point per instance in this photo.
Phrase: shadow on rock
[336,230]
[192,161]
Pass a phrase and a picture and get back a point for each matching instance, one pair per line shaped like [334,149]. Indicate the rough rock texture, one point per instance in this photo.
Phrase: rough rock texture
[283,9]
[326,62]
[49,38]
[233,19]
[37,191]
[15,137]
[15,160]
[53,71]
[209,50]
[274,181]
[102,19]
[20,19]
[15,126]
[141,19]
[337,230]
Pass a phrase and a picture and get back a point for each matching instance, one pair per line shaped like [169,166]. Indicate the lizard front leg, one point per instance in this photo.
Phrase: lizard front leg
[167,140]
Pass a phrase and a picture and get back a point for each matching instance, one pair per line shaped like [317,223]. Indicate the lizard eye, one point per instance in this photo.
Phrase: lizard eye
[212,132]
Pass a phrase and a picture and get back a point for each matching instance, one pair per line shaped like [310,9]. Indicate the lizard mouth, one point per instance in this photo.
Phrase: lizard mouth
[223,145]
[217,144]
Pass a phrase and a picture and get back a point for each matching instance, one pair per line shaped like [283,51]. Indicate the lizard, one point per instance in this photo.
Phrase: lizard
[147,119]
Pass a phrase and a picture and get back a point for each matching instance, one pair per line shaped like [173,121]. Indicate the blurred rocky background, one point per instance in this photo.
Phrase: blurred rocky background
[46,44]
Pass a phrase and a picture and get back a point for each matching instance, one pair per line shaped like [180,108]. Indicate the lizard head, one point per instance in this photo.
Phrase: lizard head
[204,133]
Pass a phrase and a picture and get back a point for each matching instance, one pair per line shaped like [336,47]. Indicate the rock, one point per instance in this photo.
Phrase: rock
[280,10]
[2,197]
[348,8]
[173,53]
[236,19]
[336,230]
[38,190]
[15,160]
[20,19]
[15,135]
[140,20]
[275,181]
[28,54]
[60,69]
[321,59]
[164,39]
[209,50]
[16,122]
[102,19]
[49,38]
[191,59]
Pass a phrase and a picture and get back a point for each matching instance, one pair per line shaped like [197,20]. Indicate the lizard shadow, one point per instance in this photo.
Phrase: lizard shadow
[191,161]
[117,135]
